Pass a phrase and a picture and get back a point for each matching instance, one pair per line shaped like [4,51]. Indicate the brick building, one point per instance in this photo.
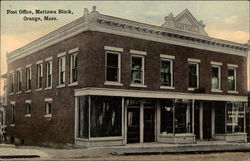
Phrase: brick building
[102,80]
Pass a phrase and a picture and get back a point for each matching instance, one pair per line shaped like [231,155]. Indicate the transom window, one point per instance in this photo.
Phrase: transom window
[231,79]
[137,69]
[61,70]
[39,75]
[216,77]
[19,80]
[49,73]
[73,68]
[112,67]
[28,78]
[166,72]
[193,75]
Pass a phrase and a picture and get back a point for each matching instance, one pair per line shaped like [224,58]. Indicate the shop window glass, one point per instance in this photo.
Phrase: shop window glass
[235,117]
[220,117]
[83,106]
[183,115]
[105,116]
[167,114]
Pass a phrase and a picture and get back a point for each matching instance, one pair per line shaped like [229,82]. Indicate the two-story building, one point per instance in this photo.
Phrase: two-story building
[103,80]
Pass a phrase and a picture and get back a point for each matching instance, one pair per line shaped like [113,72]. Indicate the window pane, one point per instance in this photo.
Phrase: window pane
[136,76]
[136,63]
[112,74]
[112,69]
[193,76]
[167,114]
[235,117]
[112,60]
[83,106]
[220,117]
[215,78]
[105,116]
[165,73]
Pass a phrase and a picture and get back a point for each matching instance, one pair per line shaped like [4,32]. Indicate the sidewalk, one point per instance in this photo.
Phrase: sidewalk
[145,148]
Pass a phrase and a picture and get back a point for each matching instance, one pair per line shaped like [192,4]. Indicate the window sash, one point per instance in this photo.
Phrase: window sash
[215,80]
[61,70]
[166,72]
[28,108]
[231,79]
[193,75]
[73,68]
[12,114]
[49,73]
[39,75]
[112,67]
[19,80]
[28,78]
[137,70]
[48,106]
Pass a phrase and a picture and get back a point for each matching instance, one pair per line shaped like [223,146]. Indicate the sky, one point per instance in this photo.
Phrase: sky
[228,20]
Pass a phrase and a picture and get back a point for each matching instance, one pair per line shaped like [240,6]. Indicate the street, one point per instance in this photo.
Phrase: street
[226,156]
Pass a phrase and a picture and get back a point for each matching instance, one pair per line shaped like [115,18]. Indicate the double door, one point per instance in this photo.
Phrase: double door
[140,125]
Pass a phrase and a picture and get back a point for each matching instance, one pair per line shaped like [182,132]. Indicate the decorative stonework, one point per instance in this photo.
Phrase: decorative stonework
[182,30]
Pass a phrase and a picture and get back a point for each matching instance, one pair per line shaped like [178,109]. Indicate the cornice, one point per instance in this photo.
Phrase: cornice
[118,26]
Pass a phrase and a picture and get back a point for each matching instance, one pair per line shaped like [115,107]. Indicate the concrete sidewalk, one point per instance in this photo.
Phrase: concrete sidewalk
[145,148]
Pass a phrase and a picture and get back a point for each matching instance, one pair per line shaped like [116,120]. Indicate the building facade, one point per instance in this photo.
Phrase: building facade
[3,107]
[103,80]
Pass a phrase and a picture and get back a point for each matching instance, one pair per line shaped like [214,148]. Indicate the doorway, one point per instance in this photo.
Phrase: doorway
[133,130]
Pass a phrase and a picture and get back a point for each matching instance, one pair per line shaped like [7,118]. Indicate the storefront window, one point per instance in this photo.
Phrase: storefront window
[235,117]
[167,114]
[105,116]
[176,117]
[83,105]
[220,117]
[183,123]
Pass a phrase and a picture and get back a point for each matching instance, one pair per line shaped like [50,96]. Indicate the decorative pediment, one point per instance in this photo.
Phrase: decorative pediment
[186,22]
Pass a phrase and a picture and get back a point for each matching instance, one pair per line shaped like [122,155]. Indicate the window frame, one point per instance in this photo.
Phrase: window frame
[28,114]
[197,75]
[28,79]
[235,79]
[60,71]
[142,84]
[11,82]
[171,72]
[19,80]
[118,82]
[47,102]
[219,77]
[39,70]
[71,67]
[47,74]
[13,114]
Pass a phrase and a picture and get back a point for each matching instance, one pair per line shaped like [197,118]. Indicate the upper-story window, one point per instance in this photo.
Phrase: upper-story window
[11,82]
[28,78]
[216,77]
[39,76]
[19,81]
[73,68]
[137,69]
[61,67]
[193,75]
[231,79]
[166,72]
[113,67]
[49,73]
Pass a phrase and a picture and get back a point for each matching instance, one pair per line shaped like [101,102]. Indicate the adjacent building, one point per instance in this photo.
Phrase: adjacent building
[3,107]
[102,80]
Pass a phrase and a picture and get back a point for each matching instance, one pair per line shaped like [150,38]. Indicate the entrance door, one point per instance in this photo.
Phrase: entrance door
[149,124]
[207,122]
[133,131]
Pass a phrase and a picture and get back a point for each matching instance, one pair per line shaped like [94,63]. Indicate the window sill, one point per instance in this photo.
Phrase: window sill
[12,125]
[48,115]
[19,92]
[61,86]
[113,84]
[28,91]
[167,87]
[39,89]
[10,94]
[192,89]
[28,115]
[234,92]
[216,90]
[138,85]
[48,88]
[73,84]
